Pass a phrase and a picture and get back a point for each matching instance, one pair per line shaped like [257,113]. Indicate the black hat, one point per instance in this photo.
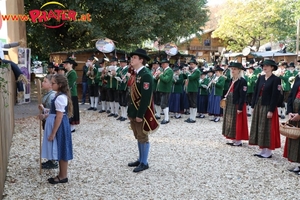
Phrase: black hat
[113,59]
[218,69]
[140,52]
[236,65]
[92,58]
[175,69]
[271,63]
[155,61]
[123,59]
[164,60]
[210,70]
[51,65]
[71,61]
[193,60]
[251,61]
[292,64]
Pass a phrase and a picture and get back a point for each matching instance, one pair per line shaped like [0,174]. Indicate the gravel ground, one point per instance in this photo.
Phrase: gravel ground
[187,161]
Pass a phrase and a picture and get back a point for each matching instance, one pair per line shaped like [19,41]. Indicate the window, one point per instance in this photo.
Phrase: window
[207,42]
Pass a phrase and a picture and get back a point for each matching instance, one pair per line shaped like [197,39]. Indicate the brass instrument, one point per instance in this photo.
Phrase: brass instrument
[213,81]
[91,74]
[292,80]
[224,72]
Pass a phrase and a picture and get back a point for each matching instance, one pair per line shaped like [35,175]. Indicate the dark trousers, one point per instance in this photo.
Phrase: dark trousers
[156,98]
[94,90]
[192,97]
[84,91]
[113,95]
[103,93]
[123,98]
[164,103]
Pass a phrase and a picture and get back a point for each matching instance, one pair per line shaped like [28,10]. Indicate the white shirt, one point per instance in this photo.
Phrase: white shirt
[61,102]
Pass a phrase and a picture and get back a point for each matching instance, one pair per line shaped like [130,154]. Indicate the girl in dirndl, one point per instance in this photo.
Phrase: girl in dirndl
[174,101]
[264,130]
[292,146]
[202,98]
[235,124]
[57,129]
[215,95]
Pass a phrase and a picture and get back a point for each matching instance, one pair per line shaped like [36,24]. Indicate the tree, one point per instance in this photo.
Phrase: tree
[254,22]
[129,23]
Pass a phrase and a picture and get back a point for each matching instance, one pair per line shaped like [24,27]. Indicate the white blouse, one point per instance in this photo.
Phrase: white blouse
[61,102]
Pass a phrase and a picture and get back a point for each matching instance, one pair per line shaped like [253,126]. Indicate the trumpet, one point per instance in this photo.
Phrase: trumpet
[91,72]
[292,80]
[223,73]
[213,81]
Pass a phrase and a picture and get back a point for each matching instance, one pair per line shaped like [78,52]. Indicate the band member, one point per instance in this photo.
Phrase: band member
[93,82]
[141,99]
[69,65]
[251,79]
[102,86]
[235,124]
[122,88]
[184,97]
[192,89]
[257,67]
[51,68]
[291,148]
[84,84]
[156,94]
[164,86]
[112,88]
[202,99]
[264,130]
[216,87]
[174,102]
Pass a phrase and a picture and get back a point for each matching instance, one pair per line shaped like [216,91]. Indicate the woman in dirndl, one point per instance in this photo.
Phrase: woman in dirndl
[71,75]
[202,98]
[215,95]
[292,146]
[174,101]
[264,130]
[235,124]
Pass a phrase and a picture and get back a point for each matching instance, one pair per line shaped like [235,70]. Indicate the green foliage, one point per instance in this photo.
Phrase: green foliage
[254,22]
[129,23]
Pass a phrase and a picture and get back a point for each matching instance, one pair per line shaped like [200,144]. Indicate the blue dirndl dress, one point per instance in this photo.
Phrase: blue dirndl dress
[174,102]
[213,103]
[61,147]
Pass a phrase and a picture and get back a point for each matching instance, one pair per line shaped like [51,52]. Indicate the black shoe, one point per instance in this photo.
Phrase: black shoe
[73,131]
[108,111]
[202,116]
[178,117]
[217,119]
[123,119]
[293,170]
[256,154]
[187,120]
[162,113]
[119,118]
[116,115]
[187,112]
[282,117]
[134,164]
[101,111]
[53,181]
[157,117]
[50,165]
[249,115]
[95,109]
[110,115]
[90,108]
[260,156]
[164,122]
[141,167]
[199,116]
[47,162]
[191,121]
[234,145]
[82,103]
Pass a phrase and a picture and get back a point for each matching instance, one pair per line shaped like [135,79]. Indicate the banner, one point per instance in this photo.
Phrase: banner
[24,63]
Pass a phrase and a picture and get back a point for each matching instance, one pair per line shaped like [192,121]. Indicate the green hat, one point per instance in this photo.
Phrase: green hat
[271,63]
[218,69]
[140,52]
[236,65]
[71,61]
[164,60]
[193,60]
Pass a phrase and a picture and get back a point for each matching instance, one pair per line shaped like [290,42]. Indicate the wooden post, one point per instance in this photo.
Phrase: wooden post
[39,90]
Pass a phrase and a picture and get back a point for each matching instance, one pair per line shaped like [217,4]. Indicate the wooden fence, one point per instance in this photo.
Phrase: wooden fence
[7,123]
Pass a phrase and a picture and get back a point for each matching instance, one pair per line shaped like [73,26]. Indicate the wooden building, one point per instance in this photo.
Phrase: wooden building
[203,47]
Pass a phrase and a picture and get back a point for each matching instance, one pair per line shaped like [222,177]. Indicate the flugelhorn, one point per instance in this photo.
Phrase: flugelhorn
[91,72]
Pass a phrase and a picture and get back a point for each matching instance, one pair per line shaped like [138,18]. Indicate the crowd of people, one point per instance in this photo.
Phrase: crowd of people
[129,87]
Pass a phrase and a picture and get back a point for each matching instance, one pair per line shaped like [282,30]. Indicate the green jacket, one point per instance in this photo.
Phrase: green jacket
[177,84]
[165,81]
[72,78]
[227,80]
[96,74]
[251,81]
[155,80]
[112,83]
[144,84]
[122,73]
[219,86]
[193,81]
[286,85]
[257,70]
[203,86]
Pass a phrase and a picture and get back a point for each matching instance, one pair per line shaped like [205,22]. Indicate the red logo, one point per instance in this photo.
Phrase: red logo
[146,86]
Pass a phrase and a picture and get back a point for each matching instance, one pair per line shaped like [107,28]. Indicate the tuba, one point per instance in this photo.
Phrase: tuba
[91,72]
